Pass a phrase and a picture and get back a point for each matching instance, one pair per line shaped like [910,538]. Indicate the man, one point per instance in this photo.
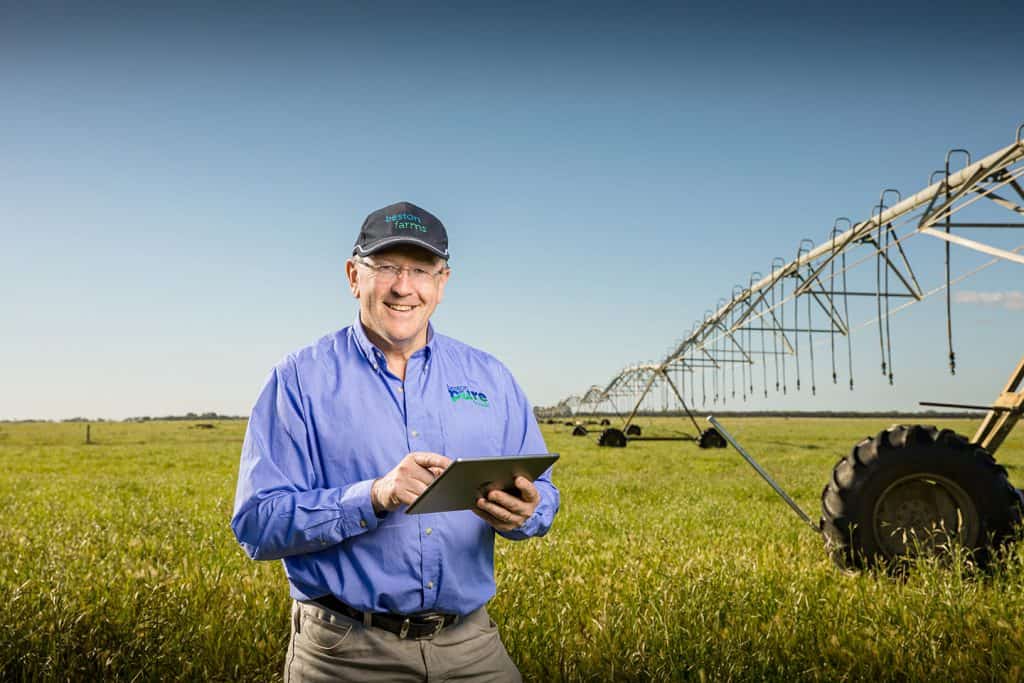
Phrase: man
[349,431]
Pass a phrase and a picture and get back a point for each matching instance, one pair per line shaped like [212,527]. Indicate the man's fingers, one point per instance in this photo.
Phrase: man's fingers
[487,518]
[429,460]
[502,514]
[495,522]
[421,475]
[529,491]
[508,501]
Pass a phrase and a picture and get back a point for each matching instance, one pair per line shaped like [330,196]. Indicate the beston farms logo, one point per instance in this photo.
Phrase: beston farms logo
[464,393]
[406,221]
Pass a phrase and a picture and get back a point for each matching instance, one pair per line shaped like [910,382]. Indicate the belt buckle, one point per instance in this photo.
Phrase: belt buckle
[436,619]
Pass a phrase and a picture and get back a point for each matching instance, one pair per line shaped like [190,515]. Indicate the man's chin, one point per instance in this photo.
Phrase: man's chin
[402,336]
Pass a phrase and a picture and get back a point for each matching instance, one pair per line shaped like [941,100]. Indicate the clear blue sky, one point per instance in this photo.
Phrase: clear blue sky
[179,187]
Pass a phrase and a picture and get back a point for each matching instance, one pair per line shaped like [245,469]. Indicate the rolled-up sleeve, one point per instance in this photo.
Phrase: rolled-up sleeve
[279,508]
[523,437]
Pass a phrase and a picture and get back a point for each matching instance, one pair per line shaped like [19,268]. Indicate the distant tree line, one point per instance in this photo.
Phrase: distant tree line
[141,418]
[188,416]
[540,413]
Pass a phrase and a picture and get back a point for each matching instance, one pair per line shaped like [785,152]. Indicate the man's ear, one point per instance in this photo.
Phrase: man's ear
[352,273]
[442,281]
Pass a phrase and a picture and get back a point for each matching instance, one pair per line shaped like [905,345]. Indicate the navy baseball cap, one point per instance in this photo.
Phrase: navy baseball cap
[402,223]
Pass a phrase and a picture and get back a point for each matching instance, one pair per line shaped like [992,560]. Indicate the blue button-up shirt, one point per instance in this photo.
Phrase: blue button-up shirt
[330,419]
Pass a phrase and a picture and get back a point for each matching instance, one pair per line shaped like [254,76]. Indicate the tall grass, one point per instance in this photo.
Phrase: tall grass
[665,563]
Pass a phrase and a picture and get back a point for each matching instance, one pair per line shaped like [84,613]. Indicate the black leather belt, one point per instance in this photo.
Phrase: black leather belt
[412,626]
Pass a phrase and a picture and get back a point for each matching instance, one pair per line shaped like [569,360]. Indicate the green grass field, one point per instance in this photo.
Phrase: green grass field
[666,562]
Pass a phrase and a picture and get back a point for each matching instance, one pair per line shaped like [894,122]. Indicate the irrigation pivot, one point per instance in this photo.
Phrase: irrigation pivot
[911,488]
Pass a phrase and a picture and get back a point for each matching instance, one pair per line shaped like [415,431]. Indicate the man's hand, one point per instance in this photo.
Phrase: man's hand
[407,481]
[505,512]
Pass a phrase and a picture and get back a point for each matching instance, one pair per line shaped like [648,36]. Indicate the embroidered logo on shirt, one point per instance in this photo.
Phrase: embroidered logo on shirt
[464,393]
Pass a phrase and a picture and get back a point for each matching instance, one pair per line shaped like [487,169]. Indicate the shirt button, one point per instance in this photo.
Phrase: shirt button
[401,389]
[430,584]
[428,531]
[362,523]
[415,433]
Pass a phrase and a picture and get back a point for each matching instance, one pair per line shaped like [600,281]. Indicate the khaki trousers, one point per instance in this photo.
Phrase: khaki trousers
[327,646]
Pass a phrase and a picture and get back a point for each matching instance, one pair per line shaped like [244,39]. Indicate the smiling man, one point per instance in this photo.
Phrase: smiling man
[350,430]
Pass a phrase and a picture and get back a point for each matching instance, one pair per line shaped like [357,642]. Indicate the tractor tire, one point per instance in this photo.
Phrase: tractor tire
[605,422]
[633,430]
[711,438]
[913,491]
[612,438]
[579,430]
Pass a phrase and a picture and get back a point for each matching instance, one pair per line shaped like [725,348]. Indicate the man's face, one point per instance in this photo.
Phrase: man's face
[395,310]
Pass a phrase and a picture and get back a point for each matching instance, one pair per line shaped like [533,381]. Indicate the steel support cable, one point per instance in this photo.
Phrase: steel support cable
[748,370]
[707,315]
[717,371]
[949,290]
[846,307]
[878,293]
[888,300]
[810,321]
[832,275]
[703,387]
[810,345]
[721,353]
[764,367]
[888,332]
[764,348]
[742,368]
[693,395]
[796,323]
[743,379]
[775,342]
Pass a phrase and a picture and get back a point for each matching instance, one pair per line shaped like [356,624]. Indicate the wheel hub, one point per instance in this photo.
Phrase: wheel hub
[922,514]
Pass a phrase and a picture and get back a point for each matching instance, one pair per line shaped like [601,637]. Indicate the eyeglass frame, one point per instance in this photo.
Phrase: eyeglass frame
[398,270]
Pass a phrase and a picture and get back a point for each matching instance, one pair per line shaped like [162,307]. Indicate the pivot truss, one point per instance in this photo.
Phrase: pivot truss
[764,335]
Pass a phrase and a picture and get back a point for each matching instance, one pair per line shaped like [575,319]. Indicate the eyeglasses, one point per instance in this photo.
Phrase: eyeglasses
[388,273]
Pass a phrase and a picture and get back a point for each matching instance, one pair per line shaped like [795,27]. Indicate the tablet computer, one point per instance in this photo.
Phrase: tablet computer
[467,479]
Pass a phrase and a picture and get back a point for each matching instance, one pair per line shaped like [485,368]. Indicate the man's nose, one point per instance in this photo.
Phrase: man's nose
[402,283]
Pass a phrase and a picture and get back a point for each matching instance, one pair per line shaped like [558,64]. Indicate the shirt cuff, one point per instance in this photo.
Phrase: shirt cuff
[357,513]
[532,524]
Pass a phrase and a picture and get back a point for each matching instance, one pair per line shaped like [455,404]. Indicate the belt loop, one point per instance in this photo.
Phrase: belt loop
[296,616]
[367,619]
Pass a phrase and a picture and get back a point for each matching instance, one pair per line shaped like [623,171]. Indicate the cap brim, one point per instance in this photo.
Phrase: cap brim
[387,242]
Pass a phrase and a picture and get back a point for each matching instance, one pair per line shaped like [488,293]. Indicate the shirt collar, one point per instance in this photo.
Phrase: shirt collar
[374,355]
